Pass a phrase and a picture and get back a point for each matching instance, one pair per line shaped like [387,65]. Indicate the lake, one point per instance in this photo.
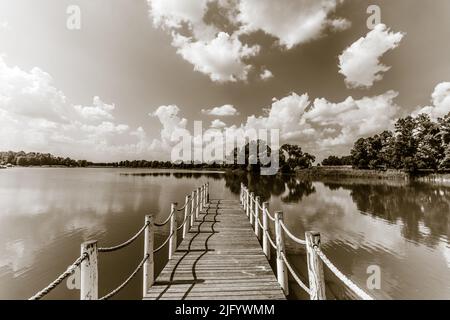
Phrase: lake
[46,213]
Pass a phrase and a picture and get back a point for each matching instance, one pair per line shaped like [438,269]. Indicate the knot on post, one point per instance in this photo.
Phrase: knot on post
[89,271]
[315,267]
[149,265]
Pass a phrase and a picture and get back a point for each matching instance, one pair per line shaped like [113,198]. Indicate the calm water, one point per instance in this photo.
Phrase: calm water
[46,213]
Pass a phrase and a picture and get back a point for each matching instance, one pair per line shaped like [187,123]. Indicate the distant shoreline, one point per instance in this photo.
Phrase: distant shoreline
[123,168]
[347,172]
[338,172]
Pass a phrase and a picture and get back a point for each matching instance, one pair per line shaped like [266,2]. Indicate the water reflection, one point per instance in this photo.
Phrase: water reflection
[46,213]
[288,187]
[422,208]
[402,227]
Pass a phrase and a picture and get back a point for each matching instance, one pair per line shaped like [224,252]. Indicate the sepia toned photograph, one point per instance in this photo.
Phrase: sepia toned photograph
[237,153]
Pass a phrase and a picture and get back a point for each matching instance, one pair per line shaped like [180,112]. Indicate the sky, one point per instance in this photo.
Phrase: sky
[136,74]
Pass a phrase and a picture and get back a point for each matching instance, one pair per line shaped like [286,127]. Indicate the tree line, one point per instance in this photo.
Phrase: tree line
[416,143]
[25,159]
[291,158]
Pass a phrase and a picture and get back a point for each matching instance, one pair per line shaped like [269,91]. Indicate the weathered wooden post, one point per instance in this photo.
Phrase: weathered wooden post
[193,208]
[282,274]
[89,271]
[240,195]
[315,267]
[173,230]
[197,207]
[149,265]
[205,192]
[266,244]
[252,207]
[246,196]
[201,197]
[257,216]
[245,199]
[186,220]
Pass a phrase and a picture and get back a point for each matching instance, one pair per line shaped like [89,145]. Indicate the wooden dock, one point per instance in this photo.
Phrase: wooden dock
[220,258]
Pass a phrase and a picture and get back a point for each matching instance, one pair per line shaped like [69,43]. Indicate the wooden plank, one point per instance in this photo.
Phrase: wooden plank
[220,258]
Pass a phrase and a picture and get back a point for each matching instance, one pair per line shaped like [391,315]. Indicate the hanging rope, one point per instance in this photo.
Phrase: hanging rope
[115,291]
[182,208]
[270,217]
[164,243]
[294,238]
[349,283]
[270,240]
[260,224]
[60,279]
[126,243]
[184,222]
[294,274]
[165,221]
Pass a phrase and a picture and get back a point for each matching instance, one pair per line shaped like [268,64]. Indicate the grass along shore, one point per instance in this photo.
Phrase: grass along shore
[347,172]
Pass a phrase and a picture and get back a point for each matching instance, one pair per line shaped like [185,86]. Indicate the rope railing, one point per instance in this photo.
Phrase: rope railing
[89,269]
[349,283]
[315,256]
[126,243]
[162,224]
[164,243]
[260,223]
[270,240]
[184,206]
[293,238]
[60,279]
[294,274]
[269,216]
[132,275]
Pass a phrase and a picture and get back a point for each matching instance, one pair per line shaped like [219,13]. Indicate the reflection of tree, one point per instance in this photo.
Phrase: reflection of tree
[412,204]
[297,190]
[178,175]
[266,186]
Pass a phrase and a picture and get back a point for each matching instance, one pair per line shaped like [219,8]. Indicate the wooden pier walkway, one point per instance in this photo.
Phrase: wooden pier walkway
[220,258]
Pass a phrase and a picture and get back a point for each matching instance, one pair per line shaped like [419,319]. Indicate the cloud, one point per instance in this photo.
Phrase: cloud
[218,124]
[98,110]
[36,116]
[221,54]
[351,118]
[340,24]
[441,102]
[319,126]
[220,58]
[292,22]
[173,14]
[360,63]
[266,74]
[172,125]
[212,52]
[223,111]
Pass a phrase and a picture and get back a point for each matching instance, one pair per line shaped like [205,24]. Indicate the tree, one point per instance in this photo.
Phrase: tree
[293,158]
[430,150]
[405,145]
[359,154]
